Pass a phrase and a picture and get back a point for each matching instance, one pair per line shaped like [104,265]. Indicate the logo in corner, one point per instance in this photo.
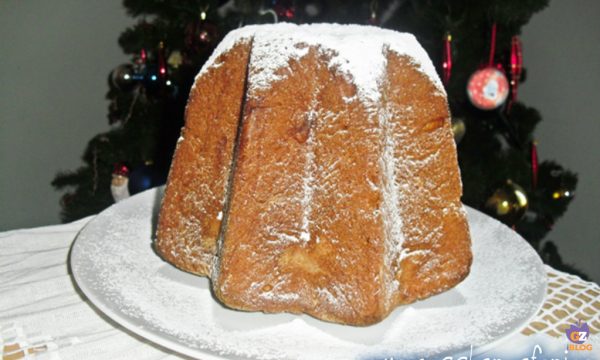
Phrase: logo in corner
[578,333]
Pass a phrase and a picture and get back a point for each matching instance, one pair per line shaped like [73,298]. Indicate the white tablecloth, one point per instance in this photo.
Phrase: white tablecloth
[44,316]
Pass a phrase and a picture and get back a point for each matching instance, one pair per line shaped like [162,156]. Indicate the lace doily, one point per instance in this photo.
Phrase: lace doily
[569,299]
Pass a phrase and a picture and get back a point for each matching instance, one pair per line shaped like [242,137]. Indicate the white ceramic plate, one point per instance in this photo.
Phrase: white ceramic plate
[113,263]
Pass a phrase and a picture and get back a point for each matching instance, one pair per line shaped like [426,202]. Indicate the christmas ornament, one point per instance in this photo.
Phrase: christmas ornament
[125,76]
[140,65]
[122,77]
[284,9]
[141,60]
[458,128]
[119,183]
[488,88]
[508,203]
[175,59]
[534,165]
[144,177]
[447,61]
[516,69]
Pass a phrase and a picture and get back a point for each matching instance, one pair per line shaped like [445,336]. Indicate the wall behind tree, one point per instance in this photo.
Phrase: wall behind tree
[55,57]
[562,57]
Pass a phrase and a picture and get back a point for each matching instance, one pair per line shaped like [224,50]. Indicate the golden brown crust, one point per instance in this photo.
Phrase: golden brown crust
[262,211]
[308,224]
[190,216]
[300,228]
[433,219]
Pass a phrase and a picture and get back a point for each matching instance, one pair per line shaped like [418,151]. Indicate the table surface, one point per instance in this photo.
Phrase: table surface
[44,316]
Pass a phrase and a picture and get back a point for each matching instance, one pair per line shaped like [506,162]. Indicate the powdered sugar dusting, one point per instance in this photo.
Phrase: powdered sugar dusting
[392,219]
[113,262]
[308,179]
[407,44]
[233,37]
[271,52]
[356,51]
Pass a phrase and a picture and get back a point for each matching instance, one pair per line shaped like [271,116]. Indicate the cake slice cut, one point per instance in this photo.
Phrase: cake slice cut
[328,185]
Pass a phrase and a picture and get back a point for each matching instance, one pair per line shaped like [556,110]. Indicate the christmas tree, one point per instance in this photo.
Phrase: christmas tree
[475,46]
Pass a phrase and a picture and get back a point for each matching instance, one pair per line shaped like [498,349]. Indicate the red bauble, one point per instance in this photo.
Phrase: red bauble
[488,88]
[285,9]
[120,169]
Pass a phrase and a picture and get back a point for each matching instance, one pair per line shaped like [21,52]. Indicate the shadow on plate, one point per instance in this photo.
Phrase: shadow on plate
[171,273]
[156,201]
[234,320]
[450,298]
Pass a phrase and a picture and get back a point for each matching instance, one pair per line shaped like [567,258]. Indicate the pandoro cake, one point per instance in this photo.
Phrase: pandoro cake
[317,173]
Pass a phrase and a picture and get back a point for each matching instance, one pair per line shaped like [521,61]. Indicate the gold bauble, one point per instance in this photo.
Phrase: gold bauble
[458,128]
[508,203]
